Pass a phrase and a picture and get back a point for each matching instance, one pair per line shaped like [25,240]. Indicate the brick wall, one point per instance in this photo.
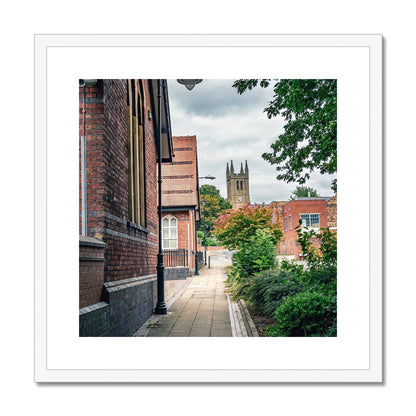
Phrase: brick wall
[185,218]
[92,107]
[131,250]
[295,208]
[91,270]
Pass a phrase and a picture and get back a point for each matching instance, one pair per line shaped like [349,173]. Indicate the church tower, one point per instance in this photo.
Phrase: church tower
[238,192]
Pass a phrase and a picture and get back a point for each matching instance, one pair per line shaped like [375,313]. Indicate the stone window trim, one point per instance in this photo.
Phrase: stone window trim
[169,232]
[138,227]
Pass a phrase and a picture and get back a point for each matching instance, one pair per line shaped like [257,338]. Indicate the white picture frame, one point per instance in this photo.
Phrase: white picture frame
[61,356]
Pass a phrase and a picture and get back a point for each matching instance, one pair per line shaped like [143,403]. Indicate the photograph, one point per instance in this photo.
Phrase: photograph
[208,208]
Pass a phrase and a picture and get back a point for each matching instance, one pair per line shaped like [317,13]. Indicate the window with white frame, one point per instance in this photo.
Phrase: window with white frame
[285,223]
[310,221]
[169,232]
[290,222]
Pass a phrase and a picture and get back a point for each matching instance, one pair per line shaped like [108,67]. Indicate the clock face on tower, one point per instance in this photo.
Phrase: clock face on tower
[240,198]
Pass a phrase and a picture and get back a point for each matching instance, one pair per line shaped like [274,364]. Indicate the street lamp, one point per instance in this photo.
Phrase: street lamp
[204,202]
[189,83]
[161,308]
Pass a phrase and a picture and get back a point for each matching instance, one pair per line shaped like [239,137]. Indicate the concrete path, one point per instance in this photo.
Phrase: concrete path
[201,310]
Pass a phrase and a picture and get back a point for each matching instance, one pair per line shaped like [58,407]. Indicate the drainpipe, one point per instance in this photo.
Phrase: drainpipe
[83,169]
[84,83]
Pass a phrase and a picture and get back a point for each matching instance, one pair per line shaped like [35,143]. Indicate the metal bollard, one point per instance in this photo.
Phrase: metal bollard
[209,262]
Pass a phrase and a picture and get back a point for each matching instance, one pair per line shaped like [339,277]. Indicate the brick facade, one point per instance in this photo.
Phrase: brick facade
[130,249]
[180,193]
[288,213]
[91,271]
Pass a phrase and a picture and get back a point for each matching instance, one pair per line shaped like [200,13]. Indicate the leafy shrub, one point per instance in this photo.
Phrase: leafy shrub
[327,254]
[308,313]
[258,254]
[322,278]
[236,228]
[270,288]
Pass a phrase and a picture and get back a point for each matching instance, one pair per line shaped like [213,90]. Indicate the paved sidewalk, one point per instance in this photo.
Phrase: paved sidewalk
[201,310]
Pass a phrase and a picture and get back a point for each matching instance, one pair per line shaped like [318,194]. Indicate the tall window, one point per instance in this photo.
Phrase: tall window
[241,185]
[285,223]
[169,232]
[135,135]
[310,220]
[290,222]
[237,185]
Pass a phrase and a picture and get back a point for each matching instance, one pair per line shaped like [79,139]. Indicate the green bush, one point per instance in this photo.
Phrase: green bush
[258,254]
[308,313]
[270,288]
[323,278]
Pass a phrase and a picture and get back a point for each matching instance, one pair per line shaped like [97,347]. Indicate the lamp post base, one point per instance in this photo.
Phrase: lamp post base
[161,308]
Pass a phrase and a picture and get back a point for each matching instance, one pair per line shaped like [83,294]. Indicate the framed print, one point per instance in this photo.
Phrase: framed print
[134,255]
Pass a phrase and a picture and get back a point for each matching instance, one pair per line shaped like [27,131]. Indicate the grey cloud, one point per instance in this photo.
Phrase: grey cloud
[229,126]
[216,98]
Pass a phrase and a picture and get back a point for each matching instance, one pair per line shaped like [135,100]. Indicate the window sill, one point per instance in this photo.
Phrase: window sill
[137,227]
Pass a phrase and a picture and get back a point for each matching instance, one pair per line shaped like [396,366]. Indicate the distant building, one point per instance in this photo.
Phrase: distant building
[180,208]
[238,189]
[315,213]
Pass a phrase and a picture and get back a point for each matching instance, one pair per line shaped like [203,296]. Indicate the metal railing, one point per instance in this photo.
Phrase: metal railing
[176,257]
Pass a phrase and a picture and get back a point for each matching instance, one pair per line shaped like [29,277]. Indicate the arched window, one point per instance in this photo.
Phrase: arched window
[135,135]
[169,232]
[241,185]
[237,185]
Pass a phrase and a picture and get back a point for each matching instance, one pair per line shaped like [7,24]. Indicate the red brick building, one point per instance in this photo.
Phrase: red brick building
[180,207]
[118,223]
[314,213]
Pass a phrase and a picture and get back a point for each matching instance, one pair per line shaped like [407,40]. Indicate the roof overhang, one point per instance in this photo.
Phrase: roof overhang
[167,147]
[179,208]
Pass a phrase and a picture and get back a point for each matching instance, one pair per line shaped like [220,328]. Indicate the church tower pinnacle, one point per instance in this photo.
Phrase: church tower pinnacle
[238,191]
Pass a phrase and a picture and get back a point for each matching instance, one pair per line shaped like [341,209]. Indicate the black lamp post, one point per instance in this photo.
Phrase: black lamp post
[204,202]
[161,308]
[190,84]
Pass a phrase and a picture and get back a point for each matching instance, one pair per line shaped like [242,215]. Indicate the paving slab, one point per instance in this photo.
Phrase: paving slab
[200,307]
[201,310]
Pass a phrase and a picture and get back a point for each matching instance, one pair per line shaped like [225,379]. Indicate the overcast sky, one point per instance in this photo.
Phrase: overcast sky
[232,126]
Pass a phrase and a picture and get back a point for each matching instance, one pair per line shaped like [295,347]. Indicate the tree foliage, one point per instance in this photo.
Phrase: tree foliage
[309,141]
[258,254]
[236,228]
[303,191]
[327,253]
[215,205]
